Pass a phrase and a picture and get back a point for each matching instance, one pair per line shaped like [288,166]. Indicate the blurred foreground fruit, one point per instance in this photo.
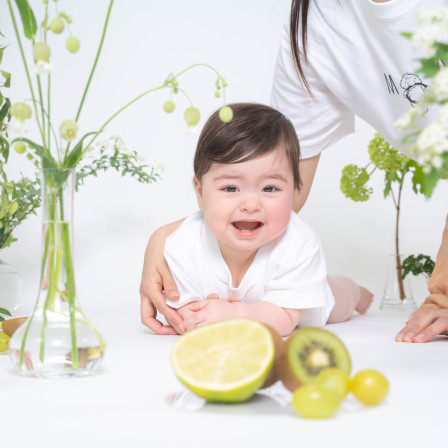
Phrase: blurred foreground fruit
[226,361]
[313,401]
[369,387]
[335,380]
[310,350]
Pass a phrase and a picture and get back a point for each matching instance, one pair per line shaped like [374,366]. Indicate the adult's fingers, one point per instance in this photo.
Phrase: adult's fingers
[423,325]
[437,327]
[148,314]
[153,301]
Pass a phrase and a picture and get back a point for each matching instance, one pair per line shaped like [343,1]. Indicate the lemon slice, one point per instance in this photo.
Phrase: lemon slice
[226,361]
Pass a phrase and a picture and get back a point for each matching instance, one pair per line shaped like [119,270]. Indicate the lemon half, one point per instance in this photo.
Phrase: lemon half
[226,361]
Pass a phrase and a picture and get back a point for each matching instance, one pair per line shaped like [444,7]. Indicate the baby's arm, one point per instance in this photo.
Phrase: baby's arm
[284,320]
[196,314]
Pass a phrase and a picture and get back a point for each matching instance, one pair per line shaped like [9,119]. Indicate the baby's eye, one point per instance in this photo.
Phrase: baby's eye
[230,189]
[270,189]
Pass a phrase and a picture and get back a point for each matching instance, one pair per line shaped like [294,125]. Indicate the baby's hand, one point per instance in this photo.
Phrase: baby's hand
[204,312]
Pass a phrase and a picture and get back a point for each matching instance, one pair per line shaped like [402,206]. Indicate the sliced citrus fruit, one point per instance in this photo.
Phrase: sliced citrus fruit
[226,361]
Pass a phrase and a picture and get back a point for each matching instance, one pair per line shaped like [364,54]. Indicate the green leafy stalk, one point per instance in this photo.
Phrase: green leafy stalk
[24,59]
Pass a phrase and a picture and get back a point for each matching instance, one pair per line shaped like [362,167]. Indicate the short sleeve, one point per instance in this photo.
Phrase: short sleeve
[297,276]
[320,121]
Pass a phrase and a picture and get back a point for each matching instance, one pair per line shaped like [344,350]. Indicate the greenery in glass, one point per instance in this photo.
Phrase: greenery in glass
[58,340]
[396,167]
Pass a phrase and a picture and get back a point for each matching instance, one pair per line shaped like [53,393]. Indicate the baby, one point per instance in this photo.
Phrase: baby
[246,254]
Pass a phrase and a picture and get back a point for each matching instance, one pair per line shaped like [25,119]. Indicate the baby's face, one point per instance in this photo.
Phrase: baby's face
[247,204]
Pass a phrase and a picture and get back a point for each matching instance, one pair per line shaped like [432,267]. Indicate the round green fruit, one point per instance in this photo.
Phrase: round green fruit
[369,386]
[21,111]
[168,106]
[225,114]
[68,129]
[57,25]
[313,401]
[335,380]
[19,147]
[192,116]
[72,44]
[41,52]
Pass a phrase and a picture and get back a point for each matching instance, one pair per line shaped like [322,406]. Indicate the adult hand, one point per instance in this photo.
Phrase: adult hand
[156,277]
[428,321]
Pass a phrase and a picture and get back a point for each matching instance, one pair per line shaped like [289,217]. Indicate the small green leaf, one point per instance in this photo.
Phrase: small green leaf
[1,53]
[28,20]
[429,182]
[407,35]
[7,77]
[5,312]
[5,109]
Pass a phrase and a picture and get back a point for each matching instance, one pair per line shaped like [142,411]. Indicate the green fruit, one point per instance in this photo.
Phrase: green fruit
[68,129]
[309,351]
[313,401]
[369,387]
[225,114]
[4,342]
[57,25]
[226,361]
[21,111]
[41,52]
[335,380]
[192,116]
[168,106]
[72,44]
[19,147]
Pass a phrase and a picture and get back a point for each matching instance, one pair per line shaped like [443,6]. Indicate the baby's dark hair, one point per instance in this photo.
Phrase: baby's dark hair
[255,130]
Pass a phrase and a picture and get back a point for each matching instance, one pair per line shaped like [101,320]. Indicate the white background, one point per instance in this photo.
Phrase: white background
[114,216]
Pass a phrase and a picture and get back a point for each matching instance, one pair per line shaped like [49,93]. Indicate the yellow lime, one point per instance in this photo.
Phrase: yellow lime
[4,342]
[226,361]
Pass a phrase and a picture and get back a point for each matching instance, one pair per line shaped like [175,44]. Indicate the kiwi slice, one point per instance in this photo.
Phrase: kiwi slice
[309,350]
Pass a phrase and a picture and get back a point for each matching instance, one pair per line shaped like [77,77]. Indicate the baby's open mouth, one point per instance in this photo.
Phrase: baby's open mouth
[247,226]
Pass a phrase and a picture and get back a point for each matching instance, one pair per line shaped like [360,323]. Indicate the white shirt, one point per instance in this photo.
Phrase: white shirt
[289,271]
[358,64]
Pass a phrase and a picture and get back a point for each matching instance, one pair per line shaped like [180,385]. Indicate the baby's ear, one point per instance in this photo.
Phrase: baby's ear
[198,189]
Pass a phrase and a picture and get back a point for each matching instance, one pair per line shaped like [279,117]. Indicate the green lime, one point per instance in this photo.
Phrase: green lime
[72,44]
[226,361]
[68,129]
[313,401]
[168,106]
[226,114]
[41,52]
[192,116]
[21,111]
[57,25]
